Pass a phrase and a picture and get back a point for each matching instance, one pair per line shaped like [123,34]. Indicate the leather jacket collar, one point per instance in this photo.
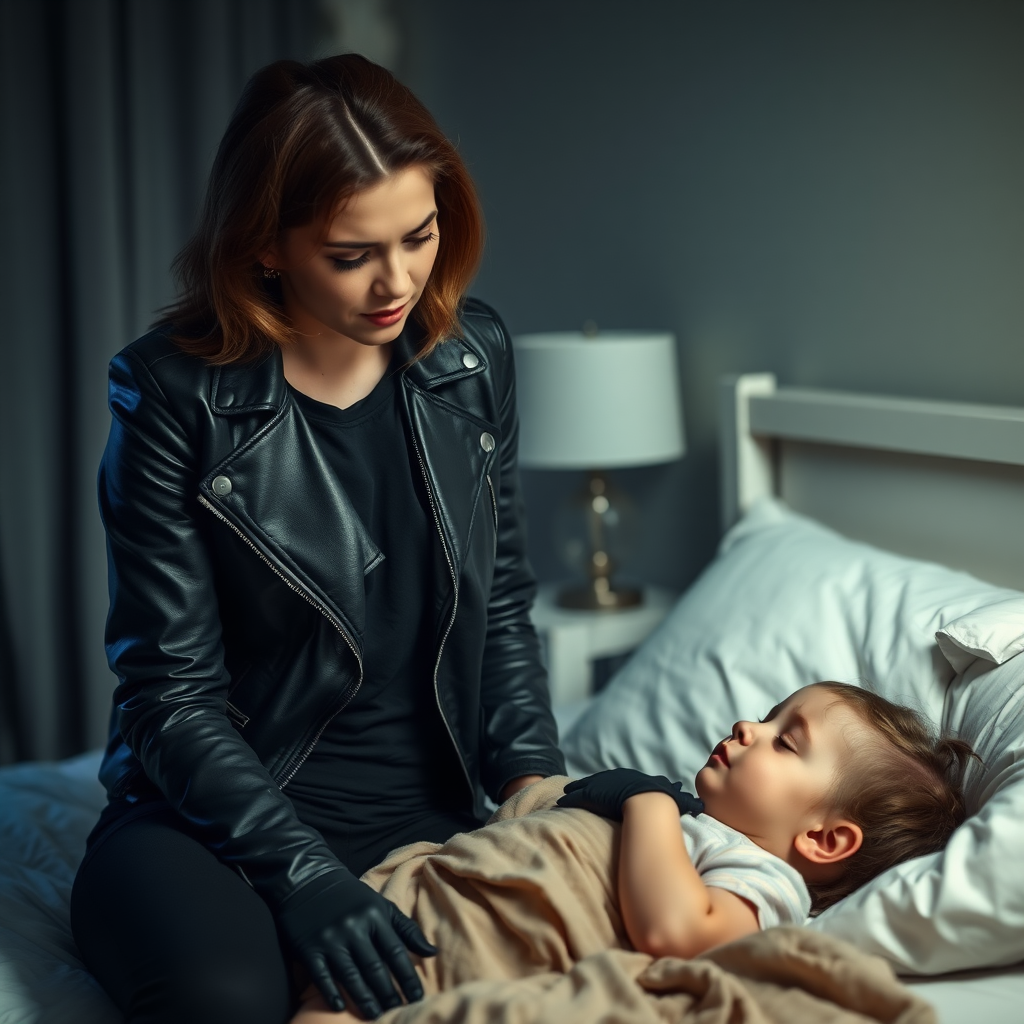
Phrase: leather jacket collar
[254,387]
[316,504]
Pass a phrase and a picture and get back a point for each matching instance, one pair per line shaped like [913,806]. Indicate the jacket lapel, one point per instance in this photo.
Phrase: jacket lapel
[286,499]
[448,438]
[455,462]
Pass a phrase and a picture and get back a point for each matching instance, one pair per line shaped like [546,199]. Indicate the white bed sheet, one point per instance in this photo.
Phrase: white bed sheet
[975,997]
[47,810]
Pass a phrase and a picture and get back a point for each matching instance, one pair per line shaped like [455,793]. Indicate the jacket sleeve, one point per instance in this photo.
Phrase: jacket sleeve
[519,732]
[163,641]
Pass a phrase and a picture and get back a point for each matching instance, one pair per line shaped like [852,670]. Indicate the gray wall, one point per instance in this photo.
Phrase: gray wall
[834,192]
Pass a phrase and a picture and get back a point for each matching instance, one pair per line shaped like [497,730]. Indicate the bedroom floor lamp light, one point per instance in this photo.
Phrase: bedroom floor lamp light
[598,401]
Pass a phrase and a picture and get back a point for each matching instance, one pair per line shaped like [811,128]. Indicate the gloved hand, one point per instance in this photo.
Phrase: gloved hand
[350,934]
[606,792]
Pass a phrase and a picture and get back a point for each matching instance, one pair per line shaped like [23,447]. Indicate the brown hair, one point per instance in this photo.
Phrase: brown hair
[905,792]
[303,138]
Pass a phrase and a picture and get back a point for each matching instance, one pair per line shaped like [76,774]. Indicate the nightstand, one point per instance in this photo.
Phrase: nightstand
[574,640]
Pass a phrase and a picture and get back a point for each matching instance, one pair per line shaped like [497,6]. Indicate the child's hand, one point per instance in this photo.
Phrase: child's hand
[606,792]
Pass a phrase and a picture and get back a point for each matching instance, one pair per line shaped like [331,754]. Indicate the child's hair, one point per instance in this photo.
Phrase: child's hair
[905,792]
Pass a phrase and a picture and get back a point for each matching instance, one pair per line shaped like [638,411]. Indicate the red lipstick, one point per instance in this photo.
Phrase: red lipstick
[386,317]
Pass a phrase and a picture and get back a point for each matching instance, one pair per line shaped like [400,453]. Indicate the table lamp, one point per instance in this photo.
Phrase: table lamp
[598,400]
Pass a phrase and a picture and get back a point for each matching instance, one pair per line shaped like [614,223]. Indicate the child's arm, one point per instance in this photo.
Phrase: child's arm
[667,909]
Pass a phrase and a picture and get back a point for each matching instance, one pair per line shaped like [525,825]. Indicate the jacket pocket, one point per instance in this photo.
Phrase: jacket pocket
[237,716]
[494,510]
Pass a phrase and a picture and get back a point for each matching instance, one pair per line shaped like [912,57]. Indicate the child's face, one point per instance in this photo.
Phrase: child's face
[770,780]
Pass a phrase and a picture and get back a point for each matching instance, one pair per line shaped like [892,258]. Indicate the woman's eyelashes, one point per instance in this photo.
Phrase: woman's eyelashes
[340,264]
[361,261]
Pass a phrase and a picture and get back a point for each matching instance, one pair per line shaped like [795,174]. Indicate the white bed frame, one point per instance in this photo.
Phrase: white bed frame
[942,481]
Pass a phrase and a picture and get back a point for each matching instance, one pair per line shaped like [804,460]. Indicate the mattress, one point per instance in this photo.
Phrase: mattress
[46,813]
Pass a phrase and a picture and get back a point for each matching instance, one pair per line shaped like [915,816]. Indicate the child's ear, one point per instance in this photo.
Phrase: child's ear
[832,842]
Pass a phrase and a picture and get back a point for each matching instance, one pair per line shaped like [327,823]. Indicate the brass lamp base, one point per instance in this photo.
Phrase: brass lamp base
[599,596]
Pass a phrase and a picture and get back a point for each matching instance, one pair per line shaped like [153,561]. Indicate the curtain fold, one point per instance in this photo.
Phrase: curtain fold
[110,114]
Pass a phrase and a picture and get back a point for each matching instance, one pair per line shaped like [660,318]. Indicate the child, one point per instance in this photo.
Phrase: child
[834,786]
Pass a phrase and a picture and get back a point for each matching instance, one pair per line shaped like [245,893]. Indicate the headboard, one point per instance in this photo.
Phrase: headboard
[942,481]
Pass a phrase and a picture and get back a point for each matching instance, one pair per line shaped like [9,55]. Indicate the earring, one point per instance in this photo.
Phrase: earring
[271,272]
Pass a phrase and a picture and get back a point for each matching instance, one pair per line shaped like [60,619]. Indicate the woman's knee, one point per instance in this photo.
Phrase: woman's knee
[238,993]
[174,935]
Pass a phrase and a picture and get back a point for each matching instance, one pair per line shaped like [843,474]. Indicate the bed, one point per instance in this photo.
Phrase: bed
[857,528]
[878,541]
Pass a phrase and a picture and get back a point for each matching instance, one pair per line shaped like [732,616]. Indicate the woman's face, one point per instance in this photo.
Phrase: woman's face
[363,278]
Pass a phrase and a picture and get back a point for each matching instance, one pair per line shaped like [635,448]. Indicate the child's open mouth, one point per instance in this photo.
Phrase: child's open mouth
[721,754]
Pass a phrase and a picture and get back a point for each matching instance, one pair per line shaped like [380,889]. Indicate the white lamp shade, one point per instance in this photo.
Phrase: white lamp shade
[598,402]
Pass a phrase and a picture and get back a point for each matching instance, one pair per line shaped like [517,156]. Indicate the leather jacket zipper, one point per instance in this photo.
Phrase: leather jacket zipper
[295,762]
[455,605]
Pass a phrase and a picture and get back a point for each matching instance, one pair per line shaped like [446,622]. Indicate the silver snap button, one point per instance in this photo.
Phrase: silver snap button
[487,442]
[470,360]
[221,486]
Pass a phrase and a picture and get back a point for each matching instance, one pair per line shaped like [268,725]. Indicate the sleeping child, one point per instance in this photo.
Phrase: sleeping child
[795,811]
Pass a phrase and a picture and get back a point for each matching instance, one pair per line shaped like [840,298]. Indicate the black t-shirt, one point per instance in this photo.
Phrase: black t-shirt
[386,760]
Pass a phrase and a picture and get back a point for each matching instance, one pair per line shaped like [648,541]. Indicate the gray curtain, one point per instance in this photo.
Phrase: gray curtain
[110,113]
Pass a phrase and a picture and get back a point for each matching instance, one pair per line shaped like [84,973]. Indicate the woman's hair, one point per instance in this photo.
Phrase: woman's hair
[302,140]
[905,791]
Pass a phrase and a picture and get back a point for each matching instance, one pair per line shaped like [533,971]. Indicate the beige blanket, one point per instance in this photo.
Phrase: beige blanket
[526,917]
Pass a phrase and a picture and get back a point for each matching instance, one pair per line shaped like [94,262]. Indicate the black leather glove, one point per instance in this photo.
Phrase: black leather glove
[347,933]
[606,792]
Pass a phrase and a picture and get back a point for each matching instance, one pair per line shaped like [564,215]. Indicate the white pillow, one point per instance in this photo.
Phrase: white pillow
[994,633]
[787,602]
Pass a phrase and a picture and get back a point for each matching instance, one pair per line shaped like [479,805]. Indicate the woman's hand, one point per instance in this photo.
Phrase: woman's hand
[606,792]
[350,934]
[514,785]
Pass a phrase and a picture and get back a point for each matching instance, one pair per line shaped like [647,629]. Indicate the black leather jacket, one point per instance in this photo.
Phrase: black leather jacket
[236,588]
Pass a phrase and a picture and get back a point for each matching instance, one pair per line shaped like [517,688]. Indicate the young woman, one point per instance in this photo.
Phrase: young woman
[318,584]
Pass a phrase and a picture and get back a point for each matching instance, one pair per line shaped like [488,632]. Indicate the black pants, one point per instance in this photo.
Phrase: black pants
[176,937]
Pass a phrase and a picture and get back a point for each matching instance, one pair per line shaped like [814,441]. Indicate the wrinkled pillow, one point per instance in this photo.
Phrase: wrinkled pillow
[963,907]
[994,632]
[787,602]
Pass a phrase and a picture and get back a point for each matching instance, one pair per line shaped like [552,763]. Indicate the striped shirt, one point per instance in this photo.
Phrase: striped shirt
[727,859]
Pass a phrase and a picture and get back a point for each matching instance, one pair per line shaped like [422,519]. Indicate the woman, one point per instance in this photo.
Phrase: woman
[319,591]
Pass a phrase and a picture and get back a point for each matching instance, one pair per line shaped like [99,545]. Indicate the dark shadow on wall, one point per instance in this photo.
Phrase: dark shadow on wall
[111,112]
